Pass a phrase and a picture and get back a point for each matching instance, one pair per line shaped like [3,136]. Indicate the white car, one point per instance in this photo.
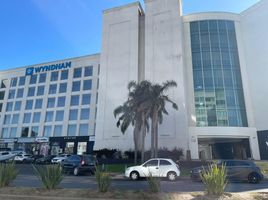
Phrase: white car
[6,155]
[157,167]
[23,157]
[58,159]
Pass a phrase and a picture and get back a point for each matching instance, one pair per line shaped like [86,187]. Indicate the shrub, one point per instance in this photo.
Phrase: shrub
[103,180]
[214,179]
[50,175]
[105,153]
[7,173]
[154,183]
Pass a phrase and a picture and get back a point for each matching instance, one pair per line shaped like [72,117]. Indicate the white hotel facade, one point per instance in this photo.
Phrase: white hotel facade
[219,61]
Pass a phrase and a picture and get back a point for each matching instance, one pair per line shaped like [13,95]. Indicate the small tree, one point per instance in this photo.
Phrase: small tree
[8,173]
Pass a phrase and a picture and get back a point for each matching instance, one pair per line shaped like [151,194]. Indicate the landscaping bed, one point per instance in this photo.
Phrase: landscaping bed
[11,193]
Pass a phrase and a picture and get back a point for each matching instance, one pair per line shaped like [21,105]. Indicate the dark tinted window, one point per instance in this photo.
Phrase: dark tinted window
[151,163]
[164,162]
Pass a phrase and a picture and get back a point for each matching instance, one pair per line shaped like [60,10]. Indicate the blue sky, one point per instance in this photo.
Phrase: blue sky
[36,31]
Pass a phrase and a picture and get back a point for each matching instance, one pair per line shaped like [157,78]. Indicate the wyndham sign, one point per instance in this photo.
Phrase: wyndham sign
[33,70]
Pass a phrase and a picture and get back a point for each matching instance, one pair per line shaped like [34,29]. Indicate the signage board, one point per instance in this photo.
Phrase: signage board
[34,70]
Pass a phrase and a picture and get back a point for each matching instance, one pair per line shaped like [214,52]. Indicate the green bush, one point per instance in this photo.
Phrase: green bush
[214,179]
[50,175]
[154,183]
[7,173]
[103,180]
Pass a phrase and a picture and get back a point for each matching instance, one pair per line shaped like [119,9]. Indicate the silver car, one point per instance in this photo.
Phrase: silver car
[157,167]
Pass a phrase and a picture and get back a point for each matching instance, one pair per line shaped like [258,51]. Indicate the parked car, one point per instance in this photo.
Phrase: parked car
[35,157]
[44,160]
[78,164]
[23,158]
[157,167]
[237,170]
[6,156]
[58,159]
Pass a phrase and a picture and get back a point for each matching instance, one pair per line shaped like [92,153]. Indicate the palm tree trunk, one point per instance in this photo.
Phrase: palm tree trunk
[156,139]
[143,132]
[153,133]
[136,141]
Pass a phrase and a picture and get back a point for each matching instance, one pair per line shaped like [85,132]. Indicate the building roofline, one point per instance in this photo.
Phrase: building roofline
[134,4]
[254,6]
[53,61]
[212,12]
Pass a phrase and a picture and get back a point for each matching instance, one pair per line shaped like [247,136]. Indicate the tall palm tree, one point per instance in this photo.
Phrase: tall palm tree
[158,108]
[135,111]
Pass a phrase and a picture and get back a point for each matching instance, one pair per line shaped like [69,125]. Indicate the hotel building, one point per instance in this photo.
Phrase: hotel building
[219,61]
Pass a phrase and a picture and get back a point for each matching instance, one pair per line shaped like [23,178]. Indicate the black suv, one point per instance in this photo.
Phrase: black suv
[237,170]
[78,164]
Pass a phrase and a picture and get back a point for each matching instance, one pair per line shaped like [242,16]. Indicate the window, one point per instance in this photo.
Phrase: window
[38,103]
[57,130]
[49,116]
[61,102]
[22,81]
[76,86]
[17,106]
[54,76]
[4,83]
[1,106]
[84,113]
[13,132]
[34,131]
[29,105]
[7,119]
[13,82]
[9,106]
[83,130]
[50,102]
[31,91]
[71,130]
[47,131]
[20,93]
[74,100]
[24,131]
[40,90]
[88,71]
[33,79]
[4,132]
[73,115]
[87,84]
[52,89]
[164,163]
[64,75]
[63,88]
[2,95]
[42,78]
[15,119]
[59,115]
[86,99]
[27,118]
[151,163]
[11,94]
[77,72]
[36,117]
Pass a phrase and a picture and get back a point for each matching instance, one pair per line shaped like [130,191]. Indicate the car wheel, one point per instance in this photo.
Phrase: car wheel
[134,176]
[171,176]
[254,178]
[76,171]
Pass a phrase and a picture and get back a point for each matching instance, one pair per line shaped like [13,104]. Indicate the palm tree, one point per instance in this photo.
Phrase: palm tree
[135,111]
[158,103]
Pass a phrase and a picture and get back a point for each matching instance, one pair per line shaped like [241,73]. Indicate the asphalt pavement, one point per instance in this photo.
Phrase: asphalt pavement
[26,178]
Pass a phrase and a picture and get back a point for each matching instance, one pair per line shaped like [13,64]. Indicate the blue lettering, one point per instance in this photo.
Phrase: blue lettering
[31,70]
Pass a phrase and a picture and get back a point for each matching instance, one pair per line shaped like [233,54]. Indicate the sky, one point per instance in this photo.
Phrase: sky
[37,31]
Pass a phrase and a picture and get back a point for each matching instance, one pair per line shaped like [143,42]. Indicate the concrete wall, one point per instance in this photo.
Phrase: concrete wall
[164,61]
[119,65]
[254,28]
